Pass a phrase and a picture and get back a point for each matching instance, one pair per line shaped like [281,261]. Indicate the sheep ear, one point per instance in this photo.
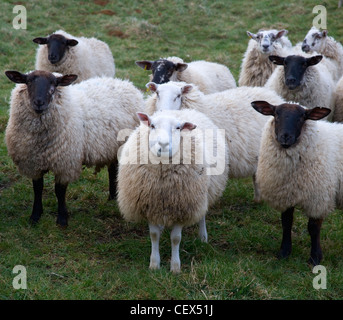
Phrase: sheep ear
[281,33]
[144,64]
[251,35]
[66,80]
[317,113]
[324,33]
[72,42]
[152,86]
[314,60]
[187,126]
[186,89]
[277,60]
[263,107]
[144,118]
[181,67]
[16,76]
[40,40]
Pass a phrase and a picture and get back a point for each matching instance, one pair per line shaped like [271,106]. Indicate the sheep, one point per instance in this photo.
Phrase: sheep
[255,67]
[210,77]
[338,116]
[229,110]
[301,78]
[167,178]
[56,127]
[300,165]
[318,41]
[63,53]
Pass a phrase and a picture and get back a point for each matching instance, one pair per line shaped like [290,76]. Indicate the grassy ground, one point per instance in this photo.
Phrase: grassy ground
[99,256]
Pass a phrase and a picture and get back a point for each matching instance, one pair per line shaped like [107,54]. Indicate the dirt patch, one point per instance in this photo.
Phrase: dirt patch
[107,12]
[116,32]
[101,2]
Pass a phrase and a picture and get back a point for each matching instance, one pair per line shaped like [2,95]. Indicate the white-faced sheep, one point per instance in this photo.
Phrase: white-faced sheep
[256,67]
[208,76]
[229,110]
[338,115]
[171,170]
[319,41]
[300,165]
[63,53]
[304,80]
[56,127]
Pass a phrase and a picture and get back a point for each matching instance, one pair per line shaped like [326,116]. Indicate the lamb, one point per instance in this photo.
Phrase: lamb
[338,116]
[301,78]
[166,175]
[256,68]
[318,41]
[210,77]
[56,127]
[63,53]
[300,165]
[229,110]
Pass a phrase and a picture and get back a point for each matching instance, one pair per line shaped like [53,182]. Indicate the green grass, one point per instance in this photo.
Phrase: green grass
[100,256]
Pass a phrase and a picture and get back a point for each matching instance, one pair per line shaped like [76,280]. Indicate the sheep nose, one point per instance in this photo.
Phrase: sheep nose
[38,102]
[305,48]
[163,144]
[265,46]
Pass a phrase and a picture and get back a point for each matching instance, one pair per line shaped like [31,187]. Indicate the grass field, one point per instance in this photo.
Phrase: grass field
[99,256]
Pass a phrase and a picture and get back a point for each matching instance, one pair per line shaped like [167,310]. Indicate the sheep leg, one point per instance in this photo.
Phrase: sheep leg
[314,226]
[287,222]
[37,209]
[62,213]
[155,234]
[175,237]
[112,176]
[202,230]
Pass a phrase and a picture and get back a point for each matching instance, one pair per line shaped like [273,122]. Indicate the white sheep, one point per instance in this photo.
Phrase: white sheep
[304,79]
[300,165]
[168,176]
[208,76]
[56,127]
[319,41]
[229,110]
[63,53]
[256,67]
[338,115]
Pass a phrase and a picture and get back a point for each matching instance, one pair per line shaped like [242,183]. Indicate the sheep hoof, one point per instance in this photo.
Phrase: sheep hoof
[62,222]
[33,220]
[314,261]
[283,254]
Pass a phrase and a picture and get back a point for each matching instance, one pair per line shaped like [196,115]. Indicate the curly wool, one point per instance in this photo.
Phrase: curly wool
[231,110]
[210,77]
[89,58]
[308,175]
[256,68]
[169,194]
[80,127]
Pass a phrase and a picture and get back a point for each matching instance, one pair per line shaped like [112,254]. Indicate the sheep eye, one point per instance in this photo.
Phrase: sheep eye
[178,128]
[152,126]
[52,90]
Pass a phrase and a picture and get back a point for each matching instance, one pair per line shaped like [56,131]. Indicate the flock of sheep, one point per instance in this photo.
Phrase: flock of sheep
[170,155]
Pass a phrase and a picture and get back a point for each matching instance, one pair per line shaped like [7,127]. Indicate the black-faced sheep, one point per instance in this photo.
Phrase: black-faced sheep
[57,127]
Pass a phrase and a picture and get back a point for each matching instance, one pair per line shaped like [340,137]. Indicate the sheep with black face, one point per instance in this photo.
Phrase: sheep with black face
[208,76]
[303,79]
[300,165]
[63,53]
[58,127]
